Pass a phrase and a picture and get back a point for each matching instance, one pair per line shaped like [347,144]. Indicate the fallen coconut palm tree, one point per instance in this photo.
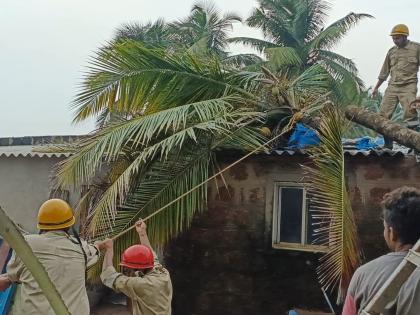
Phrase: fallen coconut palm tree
[386,127]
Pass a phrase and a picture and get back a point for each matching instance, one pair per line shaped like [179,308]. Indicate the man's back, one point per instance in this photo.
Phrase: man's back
[369,278]
[150,294]
[64,261]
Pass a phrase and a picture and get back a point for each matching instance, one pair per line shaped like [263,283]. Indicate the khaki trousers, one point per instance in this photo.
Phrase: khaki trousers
[399,94]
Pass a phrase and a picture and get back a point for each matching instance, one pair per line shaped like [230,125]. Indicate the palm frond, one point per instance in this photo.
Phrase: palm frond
[258,44]
[275,18]
[160,184]
[212,122]
[163,182]
[309,19]
[329,37]
[331,208]
[313,80]
[172,124]
[242,60]
[346,85]
[129,75]
[346,63]
[204,28]
[281,57]
[150,34]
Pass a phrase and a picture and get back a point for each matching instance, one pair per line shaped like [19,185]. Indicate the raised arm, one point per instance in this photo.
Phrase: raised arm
[108,245]
[141,229]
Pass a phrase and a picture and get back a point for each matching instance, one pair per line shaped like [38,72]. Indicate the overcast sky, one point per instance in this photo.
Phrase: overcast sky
[45,44]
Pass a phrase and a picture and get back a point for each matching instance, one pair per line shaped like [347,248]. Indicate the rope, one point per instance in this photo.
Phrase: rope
[296,117]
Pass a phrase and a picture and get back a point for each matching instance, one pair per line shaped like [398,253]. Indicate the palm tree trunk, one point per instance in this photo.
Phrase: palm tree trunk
[387,128]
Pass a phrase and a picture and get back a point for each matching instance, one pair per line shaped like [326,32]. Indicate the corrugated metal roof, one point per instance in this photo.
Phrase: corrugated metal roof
[27,151]
[351,152]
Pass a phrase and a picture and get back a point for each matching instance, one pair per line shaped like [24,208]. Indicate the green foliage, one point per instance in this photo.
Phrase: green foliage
[331,208]
[295,38]
[168,96]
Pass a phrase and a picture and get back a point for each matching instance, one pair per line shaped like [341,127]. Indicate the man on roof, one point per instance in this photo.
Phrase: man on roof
[401,64]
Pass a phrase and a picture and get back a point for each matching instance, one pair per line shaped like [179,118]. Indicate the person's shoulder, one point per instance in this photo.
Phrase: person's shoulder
[411,42]
[33,237]
[374,264]
[158,272]
[392,49]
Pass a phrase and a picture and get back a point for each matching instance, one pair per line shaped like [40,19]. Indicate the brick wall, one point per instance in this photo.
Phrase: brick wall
[225,263]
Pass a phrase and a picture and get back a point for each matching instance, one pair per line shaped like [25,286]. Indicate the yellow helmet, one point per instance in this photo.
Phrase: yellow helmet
[55,214]
[400,29]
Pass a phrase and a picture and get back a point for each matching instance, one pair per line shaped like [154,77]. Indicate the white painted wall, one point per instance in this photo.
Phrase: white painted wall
[24,186]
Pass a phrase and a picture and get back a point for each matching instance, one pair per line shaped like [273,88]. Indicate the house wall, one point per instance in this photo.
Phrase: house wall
[24,186]
[369,178]
[225,263]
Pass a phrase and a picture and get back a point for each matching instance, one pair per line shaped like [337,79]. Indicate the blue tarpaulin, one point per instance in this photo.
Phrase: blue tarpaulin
[302,137]
[365,143]
[6,299]
[7,295]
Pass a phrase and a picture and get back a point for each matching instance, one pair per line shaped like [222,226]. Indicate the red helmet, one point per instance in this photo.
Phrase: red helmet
[137,257]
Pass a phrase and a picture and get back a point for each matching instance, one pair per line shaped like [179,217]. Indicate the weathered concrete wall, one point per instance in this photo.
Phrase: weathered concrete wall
[225,264]
[24,186]
[369,178]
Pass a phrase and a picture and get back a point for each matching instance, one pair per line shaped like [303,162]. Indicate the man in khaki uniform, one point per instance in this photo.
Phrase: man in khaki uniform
[401,63]
[144,281]
[64,257]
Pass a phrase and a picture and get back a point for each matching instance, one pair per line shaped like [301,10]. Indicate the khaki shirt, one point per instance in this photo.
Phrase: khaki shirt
[151,294]
[402,64]
[63,259]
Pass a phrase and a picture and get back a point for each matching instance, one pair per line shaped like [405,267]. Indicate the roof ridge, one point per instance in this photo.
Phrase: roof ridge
[39,140]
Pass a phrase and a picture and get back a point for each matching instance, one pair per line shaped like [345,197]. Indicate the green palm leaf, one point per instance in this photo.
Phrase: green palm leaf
[173,124]
[151,34]
[161,150]
[128,76]
[164,181]
[258,44]
[331,208]
[329,37]
[283,57]
[242,60]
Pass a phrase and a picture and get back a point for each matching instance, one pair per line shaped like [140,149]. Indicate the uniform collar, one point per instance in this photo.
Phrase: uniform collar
[405,47]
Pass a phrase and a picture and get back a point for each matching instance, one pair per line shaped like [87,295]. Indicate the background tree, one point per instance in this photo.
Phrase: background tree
[296,37]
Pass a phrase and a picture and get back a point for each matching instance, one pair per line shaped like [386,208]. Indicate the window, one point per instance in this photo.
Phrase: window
[292,221]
